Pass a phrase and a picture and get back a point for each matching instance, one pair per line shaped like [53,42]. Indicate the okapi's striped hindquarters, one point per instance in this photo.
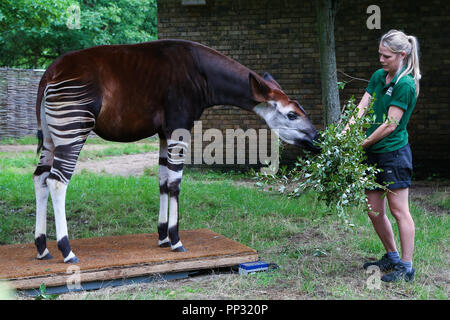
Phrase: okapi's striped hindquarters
[129,92]
[67,117]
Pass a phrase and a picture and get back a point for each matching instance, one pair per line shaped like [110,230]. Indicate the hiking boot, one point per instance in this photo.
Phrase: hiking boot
[385,264]
[400,272]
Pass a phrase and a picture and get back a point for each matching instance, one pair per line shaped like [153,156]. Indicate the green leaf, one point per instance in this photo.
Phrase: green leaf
[43,295]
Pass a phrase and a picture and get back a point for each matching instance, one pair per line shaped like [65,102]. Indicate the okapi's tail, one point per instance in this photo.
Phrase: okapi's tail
[40,95]
[40,137]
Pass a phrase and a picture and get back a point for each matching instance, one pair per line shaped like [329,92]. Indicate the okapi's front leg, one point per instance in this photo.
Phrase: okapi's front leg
[176,153]
[163,220]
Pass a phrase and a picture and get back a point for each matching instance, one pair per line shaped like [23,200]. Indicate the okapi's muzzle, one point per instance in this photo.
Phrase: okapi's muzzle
[310,143]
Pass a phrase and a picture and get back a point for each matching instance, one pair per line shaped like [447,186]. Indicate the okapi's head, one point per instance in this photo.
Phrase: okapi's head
[282,113]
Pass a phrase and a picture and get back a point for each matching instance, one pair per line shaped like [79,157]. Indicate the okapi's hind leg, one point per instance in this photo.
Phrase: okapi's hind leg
[171,162]
[70,118]
[62,169]
[41,189]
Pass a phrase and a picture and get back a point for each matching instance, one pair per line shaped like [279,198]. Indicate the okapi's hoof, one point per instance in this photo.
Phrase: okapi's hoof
[180,249]
[72,260]
[48,256]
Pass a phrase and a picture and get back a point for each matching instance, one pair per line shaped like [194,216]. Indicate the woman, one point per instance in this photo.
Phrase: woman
[396,87]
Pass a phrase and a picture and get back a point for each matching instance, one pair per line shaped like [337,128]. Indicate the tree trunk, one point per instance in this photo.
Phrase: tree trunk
[326,12]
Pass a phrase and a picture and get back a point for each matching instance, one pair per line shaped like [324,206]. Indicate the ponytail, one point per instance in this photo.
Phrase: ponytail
[412,63]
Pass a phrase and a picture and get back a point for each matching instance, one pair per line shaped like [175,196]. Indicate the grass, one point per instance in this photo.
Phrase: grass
[441,199]
[317,257]
[20,141]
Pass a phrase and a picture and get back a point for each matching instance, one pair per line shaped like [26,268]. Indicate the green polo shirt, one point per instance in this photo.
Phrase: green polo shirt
[401,93]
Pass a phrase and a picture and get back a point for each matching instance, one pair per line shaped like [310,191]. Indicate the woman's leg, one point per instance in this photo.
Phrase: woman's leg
[380,222]
[398,204]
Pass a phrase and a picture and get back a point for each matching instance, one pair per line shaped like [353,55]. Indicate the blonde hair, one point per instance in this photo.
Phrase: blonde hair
[398,41]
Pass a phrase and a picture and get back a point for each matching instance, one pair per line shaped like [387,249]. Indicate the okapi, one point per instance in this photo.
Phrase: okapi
[129,92]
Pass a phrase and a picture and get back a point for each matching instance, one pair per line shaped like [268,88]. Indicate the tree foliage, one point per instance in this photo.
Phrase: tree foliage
[35,32]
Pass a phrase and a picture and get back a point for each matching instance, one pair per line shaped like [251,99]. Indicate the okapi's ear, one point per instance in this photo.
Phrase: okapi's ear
[268,77]
[260,89]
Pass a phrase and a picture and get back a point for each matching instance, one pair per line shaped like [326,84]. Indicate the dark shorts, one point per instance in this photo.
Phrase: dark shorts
[396,166]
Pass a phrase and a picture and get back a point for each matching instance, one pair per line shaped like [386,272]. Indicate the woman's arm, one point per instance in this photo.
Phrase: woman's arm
[394,115]
[362,109]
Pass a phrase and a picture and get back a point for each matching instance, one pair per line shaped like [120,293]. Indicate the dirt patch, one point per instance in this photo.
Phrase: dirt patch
[127,165]
[421,192]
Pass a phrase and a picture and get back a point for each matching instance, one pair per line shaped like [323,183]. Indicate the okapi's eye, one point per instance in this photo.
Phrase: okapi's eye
[291,116]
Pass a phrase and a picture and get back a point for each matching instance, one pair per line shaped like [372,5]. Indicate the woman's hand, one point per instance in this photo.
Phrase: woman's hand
[362,109]
[365,143]
[386,128]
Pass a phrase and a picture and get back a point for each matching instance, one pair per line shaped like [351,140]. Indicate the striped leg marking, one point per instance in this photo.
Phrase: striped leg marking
[40,238]
[163,236]
[176,151]
[58,191]
[70,119]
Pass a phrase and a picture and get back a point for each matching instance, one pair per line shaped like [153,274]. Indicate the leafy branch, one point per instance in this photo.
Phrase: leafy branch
[338,174]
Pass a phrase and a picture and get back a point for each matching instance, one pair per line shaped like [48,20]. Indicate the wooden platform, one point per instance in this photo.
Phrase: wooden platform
[120,257]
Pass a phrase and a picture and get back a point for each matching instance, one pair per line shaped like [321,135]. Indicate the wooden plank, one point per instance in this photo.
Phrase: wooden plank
[132,271]
[118,257]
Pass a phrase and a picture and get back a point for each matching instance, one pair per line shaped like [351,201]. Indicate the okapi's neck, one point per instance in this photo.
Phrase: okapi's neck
[227,80]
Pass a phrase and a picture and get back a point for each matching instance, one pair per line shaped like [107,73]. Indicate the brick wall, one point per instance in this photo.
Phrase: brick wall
[280,37]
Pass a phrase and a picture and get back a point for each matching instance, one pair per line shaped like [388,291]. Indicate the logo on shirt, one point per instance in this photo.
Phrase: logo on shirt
[389,92]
